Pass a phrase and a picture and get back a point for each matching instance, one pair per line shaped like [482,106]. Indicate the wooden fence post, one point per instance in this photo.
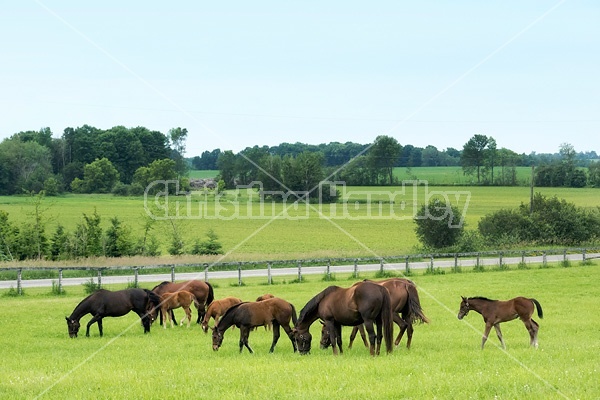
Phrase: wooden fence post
[99,278]
[240,274]
[135,277]
[381,266]
[172,273]
[407,266]
[544,259]
[356,267]
[299,271]
[269,277]
[583,255]
[431,263]
[500,260]
[205,272]
[455,262]
[328,271]
[19,277]
[60,276]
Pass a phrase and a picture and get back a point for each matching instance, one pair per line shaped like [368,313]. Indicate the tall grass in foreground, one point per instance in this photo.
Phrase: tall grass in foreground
[445,360]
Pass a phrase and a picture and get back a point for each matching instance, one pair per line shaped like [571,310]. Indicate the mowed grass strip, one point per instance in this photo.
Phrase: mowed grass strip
[445,360]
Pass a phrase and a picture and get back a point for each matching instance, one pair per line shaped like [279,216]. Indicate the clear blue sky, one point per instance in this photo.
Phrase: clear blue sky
[241,73]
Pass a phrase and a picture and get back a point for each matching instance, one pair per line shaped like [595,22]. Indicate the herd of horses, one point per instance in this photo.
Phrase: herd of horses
[371,306]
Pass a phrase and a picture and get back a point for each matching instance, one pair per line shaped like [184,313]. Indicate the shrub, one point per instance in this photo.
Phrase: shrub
[553,221]
[438,224]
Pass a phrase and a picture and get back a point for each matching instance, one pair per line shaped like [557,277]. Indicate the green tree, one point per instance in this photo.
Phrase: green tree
[474,154]
[383,156]
[438,224]
[59,244]
[178,136]
[158,171]
[124,150]
[23,166]
[594,174]
[118,240]
[8,234]
[227,168]
[99,176]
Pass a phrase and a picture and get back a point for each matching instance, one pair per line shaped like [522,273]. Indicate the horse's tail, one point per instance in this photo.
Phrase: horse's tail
[294,317]
[211,294]
[387,320]
[539,308]
[414,305]
[196,302]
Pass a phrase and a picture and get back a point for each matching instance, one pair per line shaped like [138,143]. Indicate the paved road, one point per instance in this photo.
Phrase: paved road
[293,272]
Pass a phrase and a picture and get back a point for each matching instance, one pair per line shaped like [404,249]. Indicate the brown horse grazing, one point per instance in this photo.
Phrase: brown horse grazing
[202,290]
[104,303]
[218,308]
[405,300]
[170,301]
[495,311]
[245,316]
[265,297]
[363,303]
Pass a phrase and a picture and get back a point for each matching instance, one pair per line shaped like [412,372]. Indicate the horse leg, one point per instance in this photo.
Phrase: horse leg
[499,333]
[288,330]
[188,315]
[379,325]
[95,318]
[246,335]
[338,334]
[361,330]
[276,335]
[488,328]
[352,336]
[532,328]
[369,327]
[402,325]
[409,333]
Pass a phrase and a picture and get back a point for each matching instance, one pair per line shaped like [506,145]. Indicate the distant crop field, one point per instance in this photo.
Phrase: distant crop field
[370,221]
[454,175]
[445,361]
[203,174]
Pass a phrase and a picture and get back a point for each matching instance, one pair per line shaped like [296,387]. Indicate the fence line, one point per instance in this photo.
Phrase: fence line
[451,260]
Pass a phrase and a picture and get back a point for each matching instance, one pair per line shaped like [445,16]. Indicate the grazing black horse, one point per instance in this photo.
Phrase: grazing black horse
[104,303]
[363,303]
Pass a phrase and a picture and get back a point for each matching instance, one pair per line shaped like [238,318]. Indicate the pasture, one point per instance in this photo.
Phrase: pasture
[445,361]
[284,231]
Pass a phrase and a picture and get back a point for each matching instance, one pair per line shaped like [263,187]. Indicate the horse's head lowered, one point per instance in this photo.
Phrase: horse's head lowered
[303,340]
[464,308]
[73,326]
[217,338]
[325,338]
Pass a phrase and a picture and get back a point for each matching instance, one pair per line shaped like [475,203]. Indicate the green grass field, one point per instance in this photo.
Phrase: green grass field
[445,361]
[280,231]
[434,175]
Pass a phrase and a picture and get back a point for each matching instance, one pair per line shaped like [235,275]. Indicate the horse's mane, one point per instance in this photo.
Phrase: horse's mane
[228,314]
[479,298]
[161,284]
[313,304]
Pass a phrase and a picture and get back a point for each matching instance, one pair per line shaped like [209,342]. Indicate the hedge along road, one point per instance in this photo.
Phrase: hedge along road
[296,271]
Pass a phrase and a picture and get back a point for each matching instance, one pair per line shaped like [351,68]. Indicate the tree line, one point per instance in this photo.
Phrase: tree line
[373,164]
[90,160]
[124,160]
